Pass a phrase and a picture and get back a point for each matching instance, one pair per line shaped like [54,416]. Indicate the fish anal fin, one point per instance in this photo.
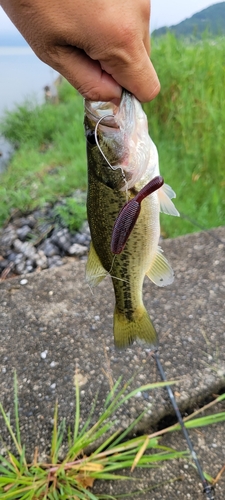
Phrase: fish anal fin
[160,272]
[95,271]
[165,193]
[139,328]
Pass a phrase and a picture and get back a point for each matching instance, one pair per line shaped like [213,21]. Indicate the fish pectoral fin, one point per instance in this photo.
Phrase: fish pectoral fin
[165,194]
[160,272]
[95,272]
[139,328]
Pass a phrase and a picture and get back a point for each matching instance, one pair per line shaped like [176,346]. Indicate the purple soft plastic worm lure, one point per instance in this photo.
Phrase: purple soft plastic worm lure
[129,214]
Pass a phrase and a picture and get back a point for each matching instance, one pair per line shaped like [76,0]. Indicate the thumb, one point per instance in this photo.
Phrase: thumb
[137,75]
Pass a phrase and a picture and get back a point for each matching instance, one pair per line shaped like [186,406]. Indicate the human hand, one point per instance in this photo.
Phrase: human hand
[98,46]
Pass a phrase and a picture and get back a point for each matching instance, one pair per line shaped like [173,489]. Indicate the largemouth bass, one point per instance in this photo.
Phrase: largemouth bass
[122,159]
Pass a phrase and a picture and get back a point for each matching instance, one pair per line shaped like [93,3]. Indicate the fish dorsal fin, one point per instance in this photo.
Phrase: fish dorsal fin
[165,194]
[95,271]
[160,272]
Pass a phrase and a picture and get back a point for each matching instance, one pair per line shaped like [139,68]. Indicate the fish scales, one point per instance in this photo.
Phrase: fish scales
[109,189]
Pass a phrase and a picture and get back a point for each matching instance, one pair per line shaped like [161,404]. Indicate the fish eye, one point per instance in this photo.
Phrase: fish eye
[90,136]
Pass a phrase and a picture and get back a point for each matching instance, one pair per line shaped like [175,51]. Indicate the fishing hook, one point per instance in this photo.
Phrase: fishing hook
[100,149]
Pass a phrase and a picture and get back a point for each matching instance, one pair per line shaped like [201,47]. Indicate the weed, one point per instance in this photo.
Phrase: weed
[74,476]
[72,213]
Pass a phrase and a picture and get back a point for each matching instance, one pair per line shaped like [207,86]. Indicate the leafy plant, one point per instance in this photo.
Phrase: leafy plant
[74,476]
[72,213]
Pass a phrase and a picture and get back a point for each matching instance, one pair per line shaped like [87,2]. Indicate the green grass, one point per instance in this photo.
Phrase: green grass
[72,213]
[73,477]
[50,160]
[186,121]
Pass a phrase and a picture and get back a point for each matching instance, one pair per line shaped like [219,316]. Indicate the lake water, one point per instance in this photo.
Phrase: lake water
[22,76]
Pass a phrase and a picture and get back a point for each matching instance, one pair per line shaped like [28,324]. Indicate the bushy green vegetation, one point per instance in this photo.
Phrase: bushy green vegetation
[186,121]
[72,213]
[50,160]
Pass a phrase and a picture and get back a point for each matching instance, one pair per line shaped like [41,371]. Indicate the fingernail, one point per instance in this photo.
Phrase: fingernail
[155,91]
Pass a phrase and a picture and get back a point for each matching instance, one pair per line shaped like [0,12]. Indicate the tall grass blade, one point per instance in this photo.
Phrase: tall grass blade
[77,413]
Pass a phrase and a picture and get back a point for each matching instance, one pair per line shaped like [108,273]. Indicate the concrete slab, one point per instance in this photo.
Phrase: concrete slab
[54,323]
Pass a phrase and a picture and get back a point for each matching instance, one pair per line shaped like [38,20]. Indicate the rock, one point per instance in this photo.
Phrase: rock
[17,245]
[49,248]
[41,259]
[85,228]
[22,232]
[62,239]
[3,264]
[29,269]
[24,221]
[29,250]
[30,266]
[8,236]
[31,221]
[78,250]
[26,248]
[12,256]
[29,262]
[80,239]
[23,282]
[20,268]
[54,261]
[50,242]
[19,258]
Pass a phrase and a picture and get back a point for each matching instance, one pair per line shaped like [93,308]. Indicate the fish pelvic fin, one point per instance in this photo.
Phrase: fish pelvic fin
[165,194]
[95,272]
[160,272]
[139,328]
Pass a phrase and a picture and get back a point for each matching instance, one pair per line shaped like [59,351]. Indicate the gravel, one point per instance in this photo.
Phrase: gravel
[39,241]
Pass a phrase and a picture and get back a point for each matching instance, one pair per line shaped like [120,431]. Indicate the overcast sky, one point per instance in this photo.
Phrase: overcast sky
[168,12]
[164,12]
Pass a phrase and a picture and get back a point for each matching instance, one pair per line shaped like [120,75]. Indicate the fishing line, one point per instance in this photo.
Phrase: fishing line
[104,275]
[207,488]
[100,149]
[195,223]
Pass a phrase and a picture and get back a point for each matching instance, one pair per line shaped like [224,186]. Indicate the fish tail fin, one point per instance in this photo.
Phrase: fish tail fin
[139,328]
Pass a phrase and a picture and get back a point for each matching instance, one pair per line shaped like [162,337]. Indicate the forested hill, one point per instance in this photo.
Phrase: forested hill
[211,19]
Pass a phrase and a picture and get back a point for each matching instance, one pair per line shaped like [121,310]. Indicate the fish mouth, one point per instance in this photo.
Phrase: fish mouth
[108,114]
[102,112]
[121,134]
